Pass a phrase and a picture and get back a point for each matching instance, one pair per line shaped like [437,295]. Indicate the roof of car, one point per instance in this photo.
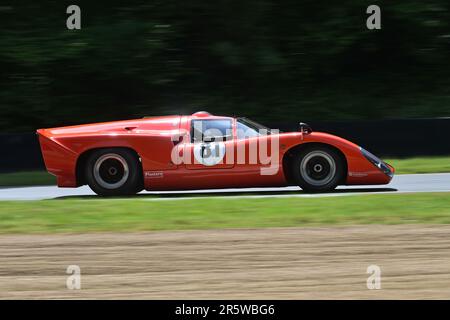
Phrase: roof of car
[201,114]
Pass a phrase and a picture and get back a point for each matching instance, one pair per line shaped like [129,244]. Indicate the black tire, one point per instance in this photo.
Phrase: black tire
[318,169]
[114,172]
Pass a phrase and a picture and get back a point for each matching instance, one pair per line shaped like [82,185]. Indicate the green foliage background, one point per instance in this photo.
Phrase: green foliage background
[270,60]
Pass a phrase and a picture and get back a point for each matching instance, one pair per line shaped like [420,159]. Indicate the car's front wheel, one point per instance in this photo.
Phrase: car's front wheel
[318,169]
[114,172]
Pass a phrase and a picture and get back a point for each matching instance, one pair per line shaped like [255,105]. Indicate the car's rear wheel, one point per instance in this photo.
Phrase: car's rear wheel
[318,169]
[114,172]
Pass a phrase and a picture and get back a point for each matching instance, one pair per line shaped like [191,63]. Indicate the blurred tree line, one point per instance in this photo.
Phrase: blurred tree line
[270,60]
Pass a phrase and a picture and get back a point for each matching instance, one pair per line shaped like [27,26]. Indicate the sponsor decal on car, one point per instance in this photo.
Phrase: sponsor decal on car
[154,174]
[357,174]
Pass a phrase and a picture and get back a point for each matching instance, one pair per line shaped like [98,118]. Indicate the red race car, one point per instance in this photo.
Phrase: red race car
[202,151]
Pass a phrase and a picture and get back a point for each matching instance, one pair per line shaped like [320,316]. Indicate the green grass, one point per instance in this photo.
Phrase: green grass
[126,215]
[26,178]
[420,165]
[402,166]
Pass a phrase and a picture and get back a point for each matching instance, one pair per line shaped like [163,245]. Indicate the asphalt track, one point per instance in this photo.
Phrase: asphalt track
[436,182]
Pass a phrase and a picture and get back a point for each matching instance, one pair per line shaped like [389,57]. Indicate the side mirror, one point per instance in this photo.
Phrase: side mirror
[305,128]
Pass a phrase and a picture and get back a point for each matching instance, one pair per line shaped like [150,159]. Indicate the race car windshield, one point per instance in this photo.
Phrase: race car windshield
[248,128]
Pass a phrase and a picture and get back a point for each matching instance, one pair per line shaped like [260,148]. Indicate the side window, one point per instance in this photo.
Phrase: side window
[243,131]
[211,130]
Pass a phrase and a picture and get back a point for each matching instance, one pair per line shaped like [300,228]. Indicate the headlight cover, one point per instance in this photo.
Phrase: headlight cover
[377,162]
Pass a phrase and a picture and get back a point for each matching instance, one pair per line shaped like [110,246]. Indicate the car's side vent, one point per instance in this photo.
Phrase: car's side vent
[177,140]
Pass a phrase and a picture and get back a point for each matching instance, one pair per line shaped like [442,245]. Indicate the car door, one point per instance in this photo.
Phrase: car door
[211,144]
[257,150]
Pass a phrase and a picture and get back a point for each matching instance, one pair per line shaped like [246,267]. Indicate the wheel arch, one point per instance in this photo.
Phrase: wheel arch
[84,156]
[288,157]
